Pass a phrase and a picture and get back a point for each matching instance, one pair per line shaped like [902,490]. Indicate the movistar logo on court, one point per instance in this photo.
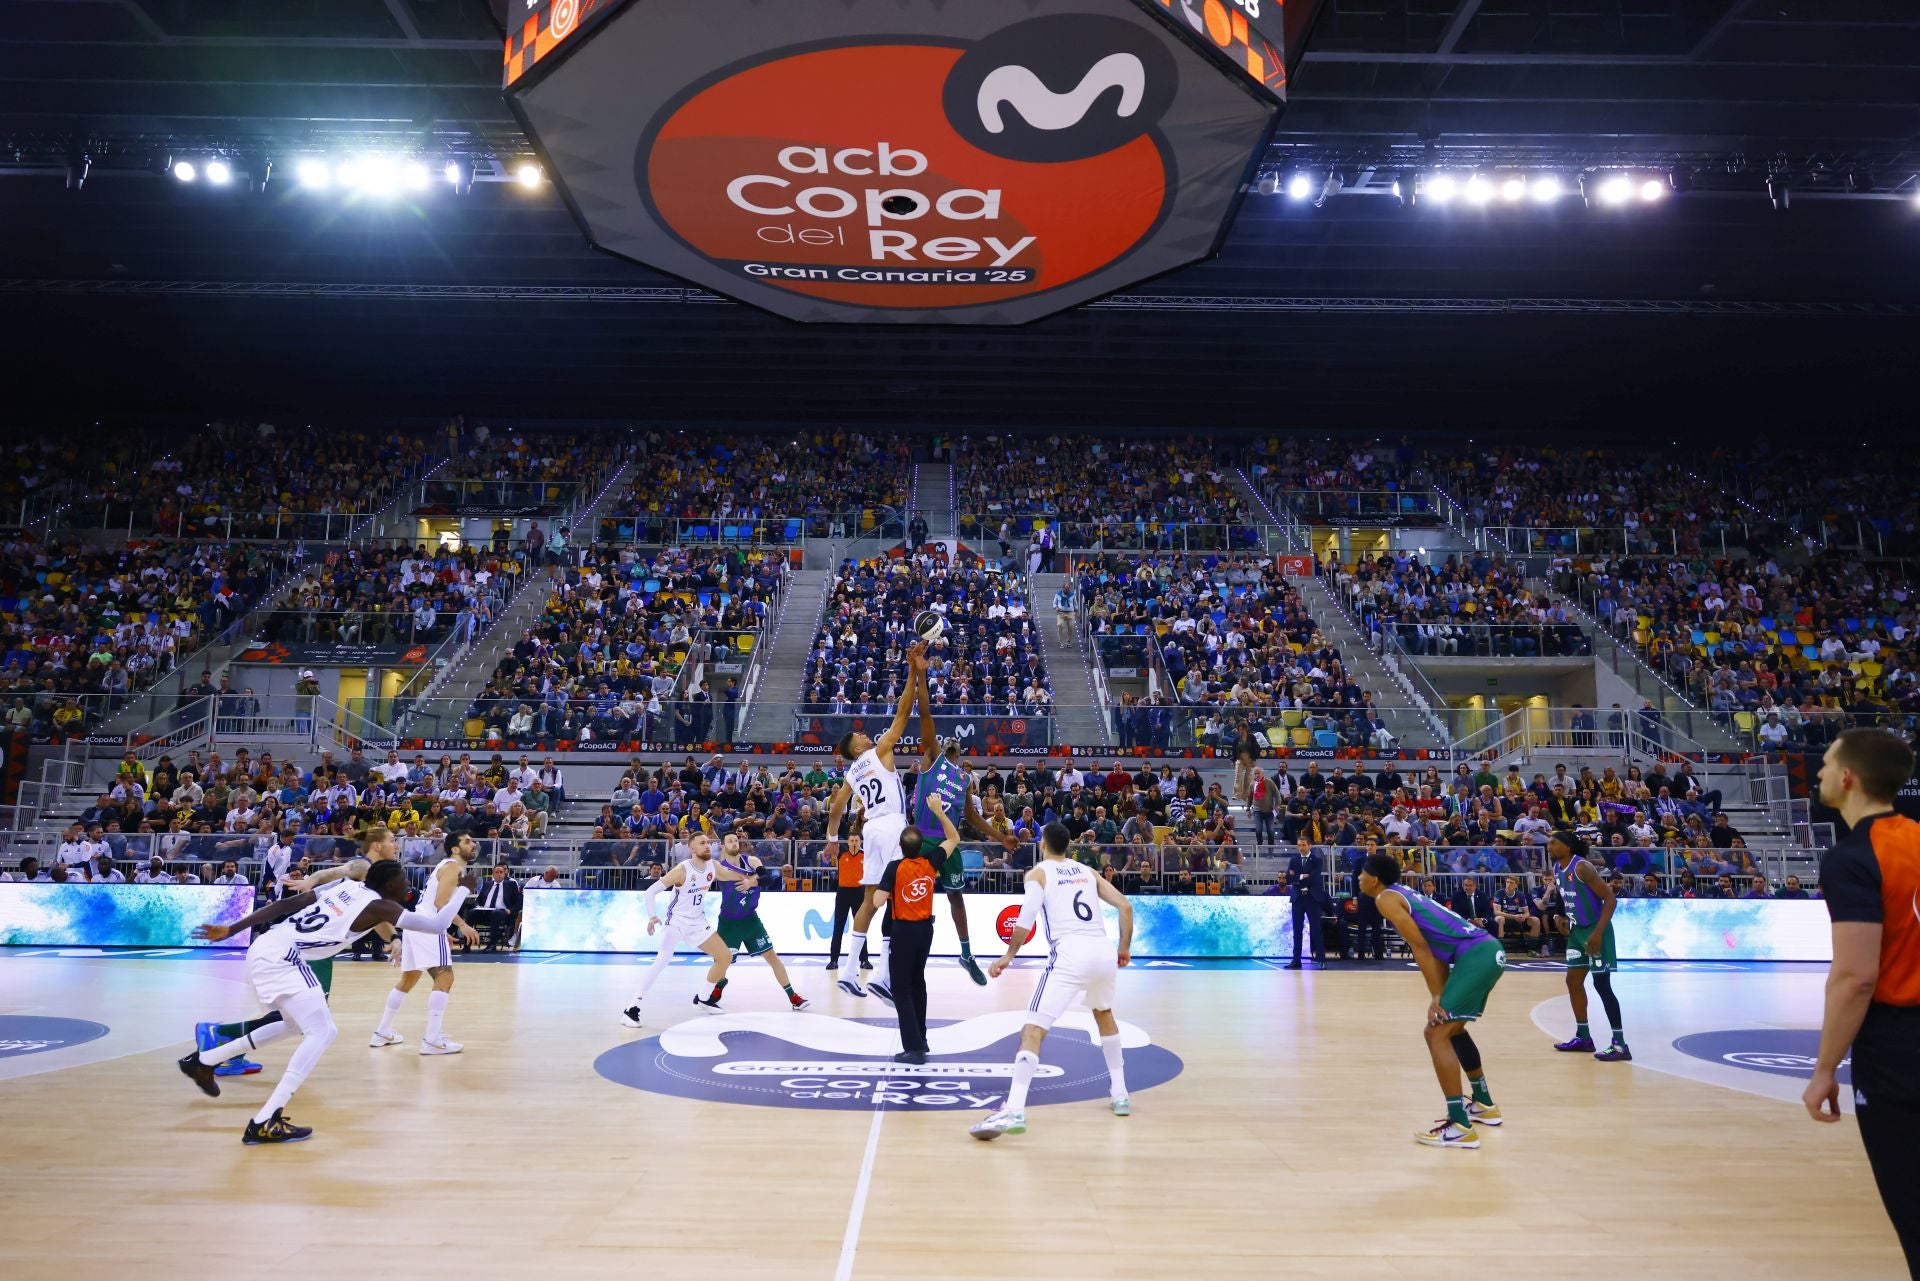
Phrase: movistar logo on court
[1775,1051]
[816,1061]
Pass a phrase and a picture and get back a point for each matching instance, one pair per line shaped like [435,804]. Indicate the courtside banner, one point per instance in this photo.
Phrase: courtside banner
[44,914]
[1187,926]
[917,161]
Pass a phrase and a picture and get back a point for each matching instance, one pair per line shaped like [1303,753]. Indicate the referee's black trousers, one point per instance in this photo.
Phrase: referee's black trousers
[1891,1131]
[912,940]
[846,901]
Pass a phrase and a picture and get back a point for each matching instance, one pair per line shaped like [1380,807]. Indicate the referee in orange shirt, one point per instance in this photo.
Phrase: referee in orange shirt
[906,890]
[1871,882]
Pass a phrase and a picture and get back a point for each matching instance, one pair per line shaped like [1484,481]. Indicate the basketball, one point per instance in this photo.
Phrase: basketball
[930,627]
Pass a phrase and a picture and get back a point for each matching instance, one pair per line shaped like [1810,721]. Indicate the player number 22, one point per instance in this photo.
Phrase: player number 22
[871,790]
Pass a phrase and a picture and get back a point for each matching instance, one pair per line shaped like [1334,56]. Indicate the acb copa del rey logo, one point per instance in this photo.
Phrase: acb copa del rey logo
[908,159]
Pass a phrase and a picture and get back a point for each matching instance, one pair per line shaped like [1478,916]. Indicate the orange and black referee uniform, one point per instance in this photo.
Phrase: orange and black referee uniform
[1872,875]
[848,895]
[909,883]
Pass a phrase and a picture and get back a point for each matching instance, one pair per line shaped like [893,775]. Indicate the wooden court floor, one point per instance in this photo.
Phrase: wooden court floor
[1282,1150]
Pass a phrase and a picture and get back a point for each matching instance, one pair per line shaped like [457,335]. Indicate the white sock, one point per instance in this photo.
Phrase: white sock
[395,999]
[877,947]
[1023,1069]
[436,1015]
[241,1044]
[1116,1072]
[312,1046]
[851,961]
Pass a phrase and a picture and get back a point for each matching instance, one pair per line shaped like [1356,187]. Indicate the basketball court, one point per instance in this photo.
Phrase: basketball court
[1272,1133]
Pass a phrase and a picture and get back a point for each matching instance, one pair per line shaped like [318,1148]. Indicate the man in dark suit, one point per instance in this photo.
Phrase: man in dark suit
[1474,904]
[1307,878]
[497,907]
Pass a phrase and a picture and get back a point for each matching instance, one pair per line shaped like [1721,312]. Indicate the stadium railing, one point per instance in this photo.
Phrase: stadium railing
[1356,506]
[1146,536]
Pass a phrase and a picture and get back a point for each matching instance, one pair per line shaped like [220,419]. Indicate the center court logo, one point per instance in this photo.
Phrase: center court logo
[33,1034]
[814,1061]
[1775,1051]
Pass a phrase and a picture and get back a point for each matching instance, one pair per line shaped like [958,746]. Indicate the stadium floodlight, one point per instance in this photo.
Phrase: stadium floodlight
[415,175]
[184,170]
[1546,188]
[1780,192]
[1479,190]
[348,173]
[1652,189]
[528,175]
[379,175]
[1301,186]
[452,173]
[314,173]
[1513,189]
[1441,188]
[1616,190]
[219,172]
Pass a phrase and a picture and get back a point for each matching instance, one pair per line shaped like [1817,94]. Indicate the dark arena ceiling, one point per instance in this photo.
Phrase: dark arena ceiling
[1778,282]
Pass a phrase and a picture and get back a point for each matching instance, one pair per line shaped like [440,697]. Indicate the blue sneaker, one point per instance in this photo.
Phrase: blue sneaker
[205,1037]
[237,1067]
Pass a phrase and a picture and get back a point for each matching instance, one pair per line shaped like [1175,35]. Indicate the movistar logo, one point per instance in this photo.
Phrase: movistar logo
[1042,108]
[817,926]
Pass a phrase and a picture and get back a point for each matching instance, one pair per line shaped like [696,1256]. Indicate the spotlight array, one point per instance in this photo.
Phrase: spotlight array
[374,176]
[1475,188]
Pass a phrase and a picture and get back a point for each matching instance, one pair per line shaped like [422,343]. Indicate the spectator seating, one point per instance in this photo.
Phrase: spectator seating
[1477,606]
[990,661]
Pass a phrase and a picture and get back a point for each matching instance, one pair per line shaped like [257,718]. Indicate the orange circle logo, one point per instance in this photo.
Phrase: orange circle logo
[920,175]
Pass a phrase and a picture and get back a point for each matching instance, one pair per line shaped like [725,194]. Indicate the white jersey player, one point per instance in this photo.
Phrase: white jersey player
[873,784]
[685,926]
[1065,898]
[307,927]
[430,953]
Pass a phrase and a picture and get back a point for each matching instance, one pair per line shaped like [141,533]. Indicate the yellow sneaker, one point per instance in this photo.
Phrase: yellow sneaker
[1448,1134]
[1484,1113]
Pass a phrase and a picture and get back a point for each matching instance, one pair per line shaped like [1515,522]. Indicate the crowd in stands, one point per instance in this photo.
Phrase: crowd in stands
[831,482]
[607,658]
[1793,654]
[82,629]
[370,595]
[1100,492]
[1237,646]
[233,480]
[1480,605]
[989,662]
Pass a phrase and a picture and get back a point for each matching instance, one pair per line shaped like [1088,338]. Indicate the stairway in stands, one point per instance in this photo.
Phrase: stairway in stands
[1390,692]
[933,497]
[770,703]
[1079,718]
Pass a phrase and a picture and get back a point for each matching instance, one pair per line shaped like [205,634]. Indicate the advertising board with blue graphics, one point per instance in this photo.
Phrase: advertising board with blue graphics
[42,914]
[1198,926]
[785,1060]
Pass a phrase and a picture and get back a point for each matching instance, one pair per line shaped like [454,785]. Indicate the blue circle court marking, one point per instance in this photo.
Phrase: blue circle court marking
[762,1069]
[1773,1050]
[33,1034]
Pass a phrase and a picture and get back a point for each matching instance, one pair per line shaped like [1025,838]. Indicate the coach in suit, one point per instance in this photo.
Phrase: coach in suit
[497,907]
[1307,878]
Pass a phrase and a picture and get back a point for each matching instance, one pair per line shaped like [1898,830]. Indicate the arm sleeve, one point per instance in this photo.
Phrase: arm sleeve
[653,901]
[434,922]
[1030,906]
[1850,880]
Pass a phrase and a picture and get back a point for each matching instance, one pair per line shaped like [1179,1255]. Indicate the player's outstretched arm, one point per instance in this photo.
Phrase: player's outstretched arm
[836,812]
[1108,894]
[916,675]
[673,880]
[1023,927]
[929,735]
[352,869]
[271,914]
